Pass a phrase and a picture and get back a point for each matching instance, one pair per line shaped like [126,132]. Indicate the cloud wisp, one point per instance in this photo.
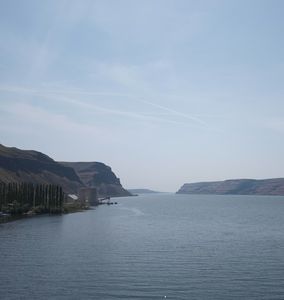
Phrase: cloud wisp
[164,115]
[27,119]
[177,113]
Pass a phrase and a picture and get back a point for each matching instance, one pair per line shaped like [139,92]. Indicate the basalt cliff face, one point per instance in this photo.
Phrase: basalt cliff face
[273,186]
[100,176]
[18,165]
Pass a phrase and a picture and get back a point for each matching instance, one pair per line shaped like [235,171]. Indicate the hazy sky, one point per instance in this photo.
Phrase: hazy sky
[165,92]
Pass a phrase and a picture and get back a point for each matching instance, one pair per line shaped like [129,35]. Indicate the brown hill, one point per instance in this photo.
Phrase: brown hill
[100,176]
[274,186]
[18,165]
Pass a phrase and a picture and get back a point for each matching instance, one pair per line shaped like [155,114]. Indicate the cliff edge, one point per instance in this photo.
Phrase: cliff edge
[274,186]
[100,176]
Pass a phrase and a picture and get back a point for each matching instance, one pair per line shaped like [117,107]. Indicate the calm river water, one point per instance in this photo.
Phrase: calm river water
[149,247]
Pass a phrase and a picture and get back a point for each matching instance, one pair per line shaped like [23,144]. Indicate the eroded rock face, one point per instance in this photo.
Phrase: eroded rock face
[274,186]
[18,165]
[100,176]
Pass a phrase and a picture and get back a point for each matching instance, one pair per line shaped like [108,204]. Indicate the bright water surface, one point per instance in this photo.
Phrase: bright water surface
[149,247]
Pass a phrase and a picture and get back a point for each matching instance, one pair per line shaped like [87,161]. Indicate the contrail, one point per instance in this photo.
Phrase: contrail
[112,111]
[175,112]
[145,116]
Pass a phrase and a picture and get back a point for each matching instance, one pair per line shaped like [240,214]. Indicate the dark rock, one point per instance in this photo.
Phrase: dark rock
[18,165]
[100,176]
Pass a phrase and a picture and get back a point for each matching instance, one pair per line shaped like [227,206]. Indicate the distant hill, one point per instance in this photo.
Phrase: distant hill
[99,175]
[18,165]
[142,191]
[273,186]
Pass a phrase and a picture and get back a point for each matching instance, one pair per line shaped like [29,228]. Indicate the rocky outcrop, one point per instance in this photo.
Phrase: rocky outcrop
[273,186]
[18,165]
[100,176]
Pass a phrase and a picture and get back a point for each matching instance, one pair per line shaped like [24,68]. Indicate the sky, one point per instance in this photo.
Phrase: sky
[163,91]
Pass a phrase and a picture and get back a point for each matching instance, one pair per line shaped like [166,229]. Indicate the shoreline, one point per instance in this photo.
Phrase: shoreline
[68,209]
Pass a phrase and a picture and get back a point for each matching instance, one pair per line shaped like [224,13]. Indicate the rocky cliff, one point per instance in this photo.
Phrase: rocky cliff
[100,176]
[18,165]
[273,186]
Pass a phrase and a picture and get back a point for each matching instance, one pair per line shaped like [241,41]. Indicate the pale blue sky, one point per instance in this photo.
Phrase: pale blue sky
[165,92]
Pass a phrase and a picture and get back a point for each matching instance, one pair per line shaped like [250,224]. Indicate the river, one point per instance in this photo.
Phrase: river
[159,246]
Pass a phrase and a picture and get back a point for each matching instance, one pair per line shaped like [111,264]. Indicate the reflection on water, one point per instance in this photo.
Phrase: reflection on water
[135,211]
[149,247]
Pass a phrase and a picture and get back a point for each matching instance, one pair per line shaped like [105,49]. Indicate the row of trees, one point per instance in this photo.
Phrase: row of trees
[18,198]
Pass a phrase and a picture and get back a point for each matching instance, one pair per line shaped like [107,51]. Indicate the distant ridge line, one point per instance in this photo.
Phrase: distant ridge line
[270,186]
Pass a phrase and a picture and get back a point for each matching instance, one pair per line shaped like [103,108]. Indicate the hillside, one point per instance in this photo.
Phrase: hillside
[99,175]
[273,186]
[18,165]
